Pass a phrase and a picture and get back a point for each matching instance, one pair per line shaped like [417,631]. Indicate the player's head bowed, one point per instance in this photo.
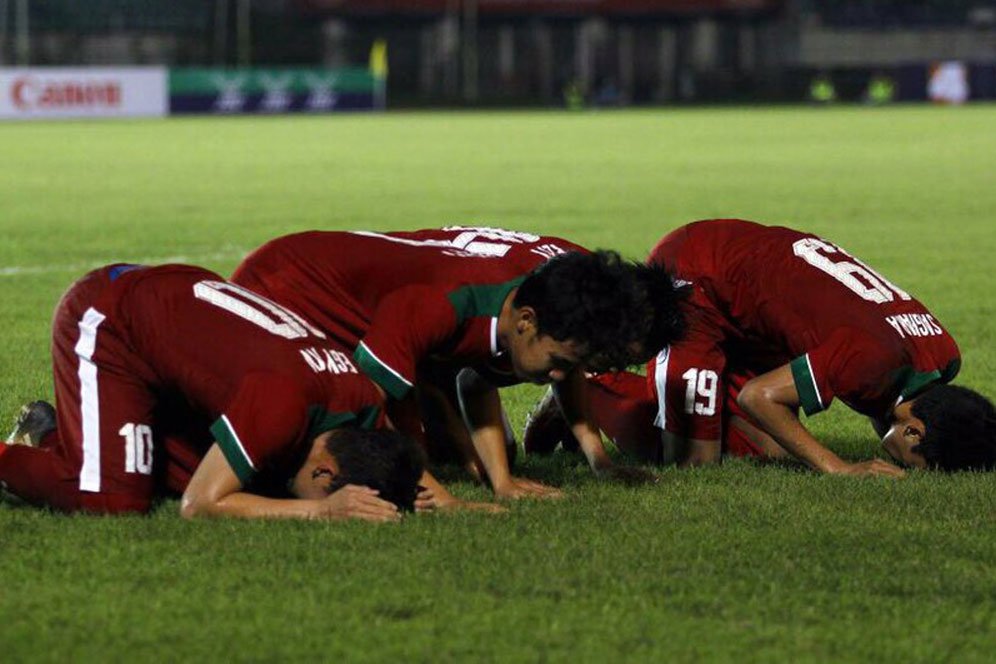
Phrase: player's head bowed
[668,323]
[383,460]
[959,428]
[598,301]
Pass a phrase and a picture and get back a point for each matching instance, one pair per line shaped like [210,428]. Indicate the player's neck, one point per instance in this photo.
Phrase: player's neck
[506,321]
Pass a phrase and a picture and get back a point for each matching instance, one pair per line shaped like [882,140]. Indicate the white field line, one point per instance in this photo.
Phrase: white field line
[193,259]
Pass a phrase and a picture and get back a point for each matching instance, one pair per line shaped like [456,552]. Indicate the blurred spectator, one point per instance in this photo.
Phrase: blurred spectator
[822,89]
[881,89]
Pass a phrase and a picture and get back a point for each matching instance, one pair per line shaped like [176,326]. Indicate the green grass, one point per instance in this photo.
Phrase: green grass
[739,562]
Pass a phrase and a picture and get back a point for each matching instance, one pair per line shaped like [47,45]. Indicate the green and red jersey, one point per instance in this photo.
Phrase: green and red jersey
[400,298]
[174,344]
[766,296]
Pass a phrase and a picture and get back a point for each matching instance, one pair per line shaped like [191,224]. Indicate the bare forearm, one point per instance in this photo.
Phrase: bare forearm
[251,506]
[573,398]
[590,441]
[782,424]
[442,496]
[446,426]
[481,406]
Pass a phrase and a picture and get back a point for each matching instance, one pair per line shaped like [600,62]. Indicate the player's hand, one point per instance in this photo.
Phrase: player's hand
[518,487]
[357,502]
[425,500]
[875,467]
[628,475]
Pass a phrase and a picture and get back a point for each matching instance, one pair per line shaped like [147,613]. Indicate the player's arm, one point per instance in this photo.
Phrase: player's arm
[772,400]
[572,395]
[481,408]
[216,490]
[434,496]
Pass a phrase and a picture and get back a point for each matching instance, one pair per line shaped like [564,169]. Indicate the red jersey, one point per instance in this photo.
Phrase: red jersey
[191,344]
[399,298]
[766,296]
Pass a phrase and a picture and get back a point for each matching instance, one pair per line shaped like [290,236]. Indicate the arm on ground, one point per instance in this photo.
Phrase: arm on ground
[772,401]
[434,495]
[481,407]
[215,490]
[572,395]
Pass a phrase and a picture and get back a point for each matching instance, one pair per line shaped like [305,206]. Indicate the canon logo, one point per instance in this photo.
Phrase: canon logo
[29,92]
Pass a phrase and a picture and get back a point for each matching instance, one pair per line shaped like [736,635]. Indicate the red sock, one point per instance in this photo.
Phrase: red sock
[40,477]
[43,477]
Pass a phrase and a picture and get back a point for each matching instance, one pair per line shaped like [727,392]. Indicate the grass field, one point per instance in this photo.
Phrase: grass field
[739,562]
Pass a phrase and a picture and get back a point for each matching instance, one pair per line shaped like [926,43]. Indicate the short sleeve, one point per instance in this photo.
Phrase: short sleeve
[406,326]
[267,415]
[850,365]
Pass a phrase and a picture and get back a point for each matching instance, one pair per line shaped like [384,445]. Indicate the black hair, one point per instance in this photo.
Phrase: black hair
[960,428]
[383,460]
[667,296]
[596,300]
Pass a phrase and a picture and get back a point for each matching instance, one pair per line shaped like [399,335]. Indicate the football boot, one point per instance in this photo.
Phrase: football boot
[34,422]
[546,428]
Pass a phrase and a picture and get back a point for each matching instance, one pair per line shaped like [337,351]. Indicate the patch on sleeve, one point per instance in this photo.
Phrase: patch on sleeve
[235,453]
[806,386]
[393,382]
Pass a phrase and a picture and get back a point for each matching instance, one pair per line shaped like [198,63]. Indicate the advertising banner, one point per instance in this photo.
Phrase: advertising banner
[272,90]
[82,92]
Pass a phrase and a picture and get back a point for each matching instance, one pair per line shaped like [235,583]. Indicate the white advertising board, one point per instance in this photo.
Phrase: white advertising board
[83,92]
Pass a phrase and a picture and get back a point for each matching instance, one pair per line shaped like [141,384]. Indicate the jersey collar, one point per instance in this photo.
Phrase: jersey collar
[495,351]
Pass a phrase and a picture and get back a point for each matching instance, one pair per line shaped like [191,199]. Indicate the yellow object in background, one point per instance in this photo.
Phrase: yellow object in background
[378,59]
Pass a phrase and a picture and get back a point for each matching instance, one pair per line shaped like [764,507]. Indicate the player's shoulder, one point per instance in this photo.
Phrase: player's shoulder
[169,278]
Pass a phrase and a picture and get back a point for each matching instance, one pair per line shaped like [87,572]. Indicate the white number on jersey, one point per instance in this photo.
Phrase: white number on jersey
[700,391]
[467,241]
[848,270]
[138,448]
[256,309]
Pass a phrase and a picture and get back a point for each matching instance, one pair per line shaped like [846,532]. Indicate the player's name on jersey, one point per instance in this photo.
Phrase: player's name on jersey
[915,325]
[323,360]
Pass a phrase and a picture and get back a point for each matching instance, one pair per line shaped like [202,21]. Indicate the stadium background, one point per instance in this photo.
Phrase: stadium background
[739,562]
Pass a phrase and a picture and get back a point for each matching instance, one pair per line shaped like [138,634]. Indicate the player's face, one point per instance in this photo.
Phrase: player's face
[905,433]
[539,358]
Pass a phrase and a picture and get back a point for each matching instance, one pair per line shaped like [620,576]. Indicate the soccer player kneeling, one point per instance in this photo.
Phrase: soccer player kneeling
[170,380]
[780,320]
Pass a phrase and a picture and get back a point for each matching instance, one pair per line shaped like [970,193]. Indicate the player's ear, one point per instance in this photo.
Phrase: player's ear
[525,319]
[914,432]
[317,475]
